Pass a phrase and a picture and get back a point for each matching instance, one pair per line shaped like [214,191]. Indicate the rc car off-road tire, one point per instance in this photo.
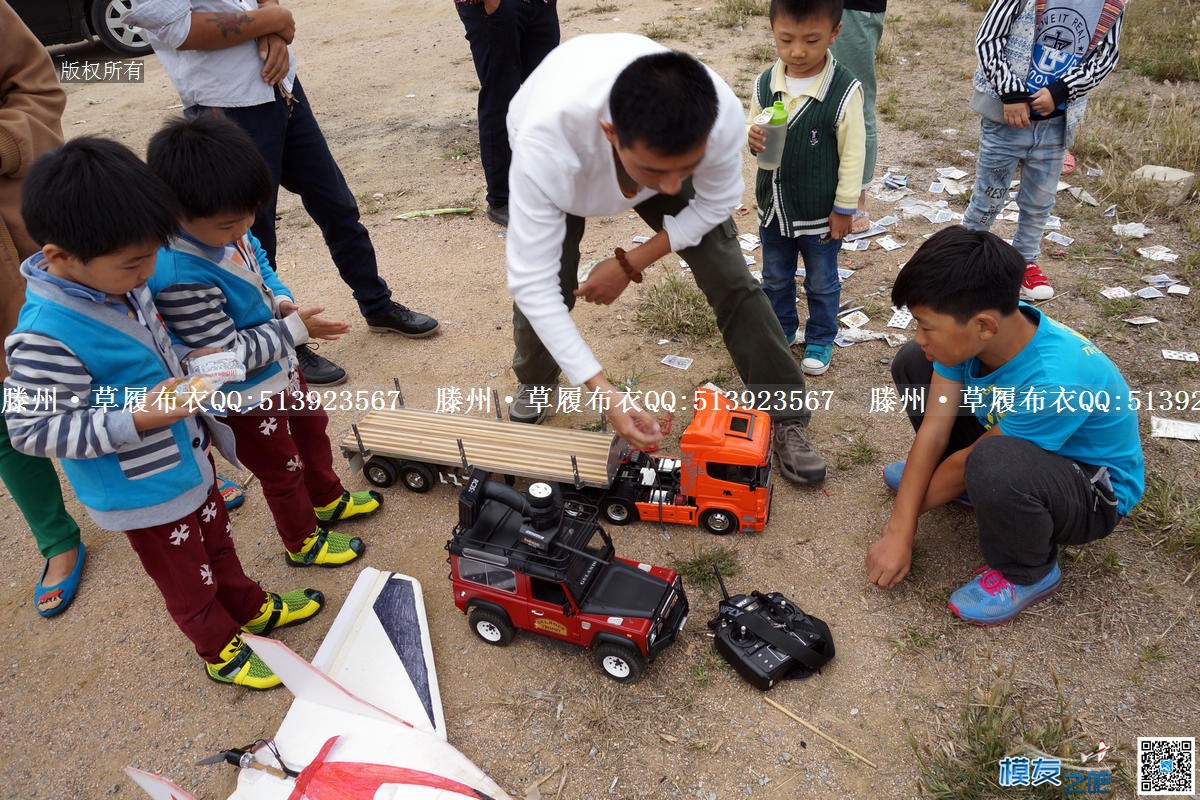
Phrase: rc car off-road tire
[622,663]
[718,521]
[380,471]
[619,511]
[416,477]
[491,626]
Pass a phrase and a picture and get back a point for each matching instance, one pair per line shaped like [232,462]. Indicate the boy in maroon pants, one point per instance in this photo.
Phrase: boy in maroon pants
[215,289]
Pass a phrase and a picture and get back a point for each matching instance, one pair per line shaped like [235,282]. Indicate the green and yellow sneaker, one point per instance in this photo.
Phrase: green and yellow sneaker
[325,548]
[350,504]
[282,610]
[241,667]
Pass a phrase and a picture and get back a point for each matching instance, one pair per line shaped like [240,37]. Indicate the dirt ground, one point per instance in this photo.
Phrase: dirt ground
[112,682]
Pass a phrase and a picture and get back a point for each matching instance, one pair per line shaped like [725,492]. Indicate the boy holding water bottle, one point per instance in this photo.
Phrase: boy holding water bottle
[806,201]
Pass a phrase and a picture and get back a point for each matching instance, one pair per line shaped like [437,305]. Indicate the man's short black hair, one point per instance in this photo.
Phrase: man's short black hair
[961,273]
[807,9]
[212,166]
[666,101]
[93,196]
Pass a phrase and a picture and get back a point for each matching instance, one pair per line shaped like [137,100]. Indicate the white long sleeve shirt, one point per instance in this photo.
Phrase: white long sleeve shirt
[563,164]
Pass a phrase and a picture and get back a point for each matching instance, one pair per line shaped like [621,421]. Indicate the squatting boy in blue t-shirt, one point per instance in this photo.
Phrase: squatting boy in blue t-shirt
[1023,419]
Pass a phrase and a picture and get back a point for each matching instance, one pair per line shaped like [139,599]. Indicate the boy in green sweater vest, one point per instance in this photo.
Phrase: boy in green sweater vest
[805,206]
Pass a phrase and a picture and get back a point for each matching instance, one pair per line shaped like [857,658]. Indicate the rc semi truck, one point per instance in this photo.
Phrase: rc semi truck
[721,481]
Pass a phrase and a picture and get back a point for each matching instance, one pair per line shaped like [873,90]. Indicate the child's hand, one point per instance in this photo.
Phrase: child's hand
[839,224]
[1042,102]
[756,139]
[319,328]
[1016,115]
[287,307]
[889,559]
[164,405]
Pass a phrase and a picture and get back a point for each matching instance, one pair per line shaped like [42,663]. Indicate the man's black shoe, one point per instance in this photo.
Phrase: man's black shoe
[398,319]
[318,370]
[498,214]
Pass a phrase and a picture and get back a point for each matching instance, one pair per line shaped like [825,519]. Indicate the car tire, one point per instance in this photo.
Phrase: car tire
[416,477]
[107,19]
[380,471]
[491,626]
[622,663]
[718,521]
[619,511]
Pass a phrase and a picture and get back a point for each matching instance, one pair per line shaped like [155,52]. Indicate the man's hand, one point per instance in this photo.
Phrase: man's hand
[1016,115]
[1043,102]
[273,51]
[839,224]
[756,139]
[490,6]
[635,425]
[604,284]
[889,559]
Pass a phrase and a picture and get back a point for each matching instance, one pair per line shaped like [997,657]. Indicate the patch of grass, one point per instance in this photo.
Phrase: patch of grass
[1171,509]
[911,639]
[963,764]
[1119,307]
[1166,45]
[761,53]
[676,307]
[860,454]
[664,30]
[888,105]
[710,663]
[732,13]
[1155,652]
[698,570]
[979,5]
[602,7]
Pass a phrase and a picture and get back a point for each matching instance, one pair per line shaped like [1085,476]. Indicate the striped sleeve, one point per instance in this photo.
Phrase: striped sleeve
[48,403]
[991,42]
[1096,65]
[195,314]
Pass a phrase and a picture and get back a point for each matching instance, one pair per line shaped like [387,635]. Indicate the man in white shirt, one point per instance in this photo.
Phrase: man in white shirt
[231,58]
[614,122]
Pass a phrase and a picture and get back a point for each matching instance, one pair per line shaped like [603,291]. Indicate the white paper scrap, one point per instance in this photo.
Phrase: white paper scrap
[1149,293]
[1158,252]
[938,217]
[889,243]
[678,362]
[953,173]
[1179,289]
[855,319]
[1132,230]
[1180,355]
[1114,292]
[900,318]
[844,273]
[1058,238]
[857,244]
[641,239]
[1163,428]
[937,187]
[1142,320]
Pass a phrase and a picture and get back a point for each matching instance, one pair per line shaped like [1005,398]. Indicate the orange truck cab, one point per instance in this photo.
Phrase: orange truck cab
[721,482]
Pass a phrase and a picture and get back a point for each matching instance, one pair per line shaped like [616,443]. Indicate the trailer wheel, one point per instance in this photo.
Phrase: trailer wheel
[490,626]
[622,663]
[718,521]
[618,511]
[417,477]
[380,471]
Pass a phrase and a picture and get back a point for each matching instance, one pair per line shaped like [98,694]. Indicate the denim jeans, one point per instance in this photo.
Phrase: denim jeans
[1038,150]
[506,46]
[299,159]
[821,284]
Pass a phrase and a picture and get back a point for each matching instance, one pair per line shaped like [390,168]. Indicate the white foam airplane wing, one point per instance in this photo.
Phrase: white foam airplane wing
[367,722]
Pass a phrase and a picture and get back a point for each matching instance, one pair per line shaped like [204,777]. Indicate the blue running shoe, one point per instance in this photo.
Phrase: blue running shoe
[891,477]
[990,599]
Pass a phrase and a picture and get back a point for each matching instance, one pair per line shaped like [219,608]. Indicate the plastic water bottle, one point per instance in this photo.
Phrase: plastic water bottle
[773,121]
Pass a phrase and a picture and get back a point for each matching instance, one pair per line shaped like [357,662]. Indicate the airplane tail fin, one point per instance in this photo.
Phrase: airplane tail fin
[156,786]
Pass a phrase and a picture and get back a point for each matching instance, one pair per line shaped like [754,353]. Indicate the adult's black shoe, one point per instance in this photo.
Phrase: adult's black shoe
[318,370]
[498,214]
[399,319]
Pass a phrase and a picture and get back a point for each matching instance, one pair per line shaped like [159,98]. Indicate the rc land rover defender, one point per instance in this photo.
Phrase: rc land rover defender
[538,562]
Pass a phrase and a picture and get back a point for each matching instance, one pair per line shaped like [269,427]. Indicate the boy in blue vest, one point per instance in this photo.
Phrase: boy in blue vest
[807,205]
[1038,59]
[215,289]
[90,341]
[1016,415]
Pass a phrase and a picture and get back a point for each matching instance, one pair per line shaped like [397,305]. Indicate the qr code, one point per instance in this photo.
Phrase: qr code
[1166,765]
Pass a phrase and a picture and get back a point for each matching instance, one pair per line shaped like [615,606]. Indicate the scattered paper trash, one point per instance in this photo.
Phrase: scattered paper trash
[900,318]
[1149,293]
[1180,355]
[678,362]
[855,319]
[756,274]
[966,153]
[663,341]
[1163,428]
[938,217]
[1179,289]
[873,230]
[1141,320]
[748,241]
[1094,172]
[749,259]
[889,243]
[894,181]
[1132,230]
[888,221]
[1053,223]
[953,188]
[844,273]
[857,244]
[1111,211]
[1058,238]
[1082,195]
[641,239]
[937,187]
[953,173]
[1116,292]
[1160,281]
[1158,252]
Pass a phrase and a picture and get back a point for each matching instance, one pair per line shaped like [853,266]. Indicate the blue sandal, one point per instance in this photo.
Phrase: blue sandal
[65,589]
[231,493]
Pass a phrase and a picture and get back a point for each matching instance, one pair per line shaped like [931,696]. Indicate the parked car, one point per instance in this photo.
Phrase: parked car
[66,21]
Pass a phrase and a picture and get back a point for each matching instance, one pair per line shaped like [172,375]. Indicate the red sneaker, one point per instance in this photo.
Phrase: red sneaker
[1035,285]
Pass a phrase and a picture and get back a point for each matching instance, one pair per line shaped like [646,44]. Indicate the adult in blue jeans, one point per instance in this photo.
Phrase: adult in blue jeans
[508,38]
[231,57]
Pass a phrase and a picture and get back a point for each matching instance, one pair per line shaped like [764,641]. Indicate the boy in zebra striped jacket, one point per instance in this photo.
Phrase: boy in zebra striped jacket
[214,287]
[94,383]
